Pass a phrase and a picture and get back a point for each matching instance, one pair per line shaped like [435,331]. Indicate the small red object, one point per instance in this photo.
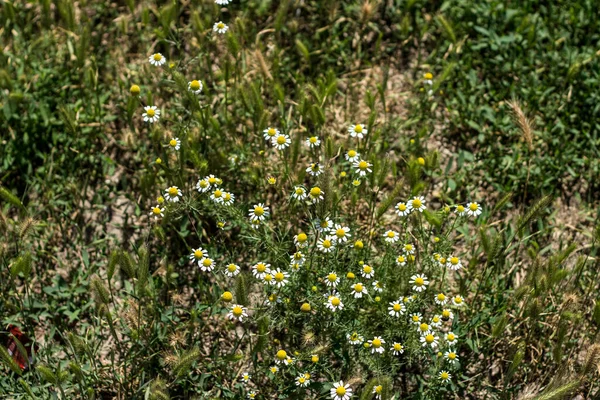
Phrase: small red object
[11,346]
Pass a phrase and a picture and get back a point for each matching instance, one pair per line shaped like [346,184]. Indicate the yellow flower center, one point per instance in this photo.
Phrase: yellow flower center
[458,300]
[367,269]
[198,254]
[173,191]
[408,247]
[314,359]
[315,192]
[443,260]
[400,259]
[378,389]
[417,203]
[305,307]
[157,57]
[220,25]
[195,85]
[424,327]
[150,112]
[280,139]
[335,301]
[446,314]
[326,243]
[203,184]
[301,379]
[258,210]
[298,256]
[358,287]
[332,277]
[359,244]
[156,211]
[452,355]
[302,237]
[451,336]
[279,276]
[237,311]
[227,196]
[402,207]
[268,277]
[160,200]
[429,76]
[340,391]
[231,267]
[340,233]
[444,375]
[460,209]
[207,262]
[358,128]
[397,307]
[397,346]
[473,207]
[391,234]
[415,318]
[436,319]
[441,297]
[350,275]
[429,338]
[351,153]
[299,191]
[173,142]
[419,281]
[271,132]
[281,354]
[363,165]
[217,193]
[454,260]
[212,180]
[227,296]
[376,343]
[313,140]
[261,267]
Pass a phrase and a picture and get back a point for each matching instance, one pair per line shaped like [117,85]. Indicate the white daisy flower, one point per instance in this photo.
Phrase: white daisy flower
[220,27]
[251,394]
[259,211]
[270,133]
[397,348]
[423,328]
[173,194]
[458,301]
[298,257]
[332,280]
[281,141]
[195,86]
[352,156]
[274,369]
[302,380]
[324,225]
[157,212]
[157,59]
[175,144]
[367,271]
[409,248]
[202,185]
[474,209]
[402,209]
[461,210]
[222,2]
[453,263]
[299,193]
[217,196]
[391,236]
[301,240]
[401,261]
[429,340]
[238,312]
[445,376]
[377,286]
[441,299]
[228,198]
[396,308]
[376,345]
[259,270]
[451,356]
[377,390]
[451,338]
[326,244]
[339,391]
[358,289]
[436,321]
[341,233]
[355,338]
[447,314]
[312,142]
[151,115]
[314,169]
[334,303]
[245,377]
[268,279]
[198,254]
[416,318]
[358,131]
[232,270]
[315,195]
[419,282]
[281,278]
[206,264]
[362,167]
[416,204]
